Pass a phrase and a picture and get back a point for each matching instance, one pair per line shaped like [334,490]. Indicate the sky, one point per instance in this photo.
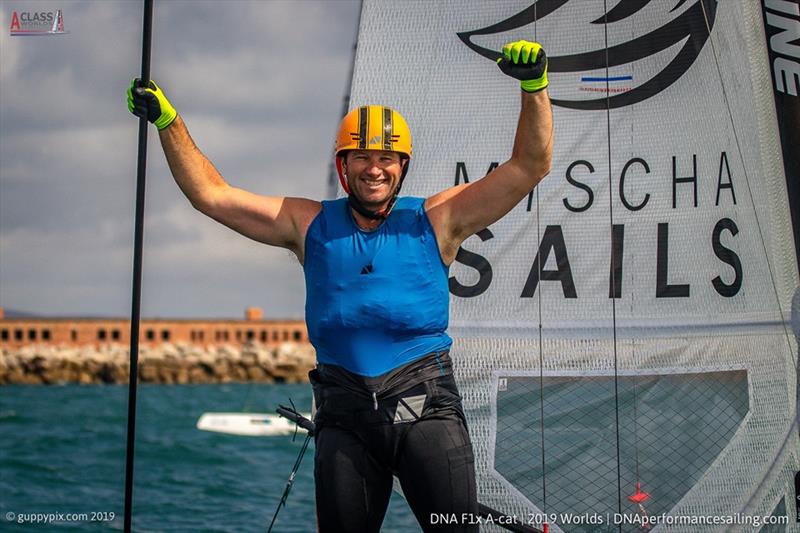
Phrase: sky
[260,86]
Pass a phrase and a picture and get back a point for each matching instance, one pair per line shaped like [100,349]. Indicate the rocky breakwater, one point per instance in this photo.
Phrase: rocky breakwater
[166,363]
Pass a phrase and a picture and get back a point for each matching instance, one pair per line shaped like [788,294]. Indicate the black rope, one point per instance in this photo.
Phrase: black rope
[635,424]
[290,481]
[138,238]
[790,434]
[746,177]
[613,268]
[539,302]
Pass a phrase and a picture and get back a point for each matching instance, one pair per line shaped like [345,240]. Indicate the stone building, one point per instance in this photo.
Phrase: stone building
[77,331]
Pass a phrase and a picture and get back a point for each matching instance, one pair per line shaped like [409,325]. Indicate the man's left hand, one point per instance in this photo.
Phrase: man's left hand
[527,62]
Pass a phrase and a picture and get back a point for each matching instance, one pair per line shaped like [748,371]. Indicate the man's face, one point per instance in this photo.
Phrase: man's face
[373,175]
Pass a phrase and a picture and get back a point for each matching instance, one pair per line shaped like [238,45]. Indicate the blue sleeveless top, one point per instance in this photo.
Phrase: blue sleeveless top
[375,300]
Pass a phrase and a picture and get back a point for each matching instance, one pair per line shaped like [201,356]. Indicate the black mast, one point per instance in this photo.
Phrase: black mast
[137,271]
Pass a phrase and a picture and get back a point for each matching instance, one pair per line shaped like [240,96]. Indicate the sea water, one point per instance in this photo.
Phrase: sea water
[62,461]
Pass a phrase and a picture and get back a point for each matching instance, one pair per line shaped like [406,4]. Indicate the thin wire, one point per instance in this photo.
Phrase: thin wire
[794,425]
[290,481]
[613,269]
[635,376]
[635,428]
[746,177]
[539,300]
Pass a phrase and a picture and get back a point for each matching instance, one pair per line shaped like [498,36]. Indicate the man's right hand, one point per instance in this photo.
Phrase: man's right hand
[150,103]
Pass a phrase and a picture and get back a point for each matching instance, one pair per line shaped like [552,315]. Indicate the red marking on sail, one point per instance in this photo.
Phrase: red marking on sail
[639,496]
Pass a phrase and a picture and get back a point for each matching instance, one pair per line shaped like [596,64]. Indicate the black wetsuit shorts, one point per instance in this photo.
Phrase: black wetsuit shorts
[408,423]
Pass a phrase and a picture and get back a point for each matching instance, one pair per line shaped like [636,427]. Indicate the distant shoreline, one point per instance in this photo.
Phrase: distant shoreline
[178,363]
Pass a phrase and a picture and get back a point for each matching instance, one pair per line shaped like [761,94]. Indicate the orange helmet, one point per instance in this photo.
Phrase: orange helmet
[372,127]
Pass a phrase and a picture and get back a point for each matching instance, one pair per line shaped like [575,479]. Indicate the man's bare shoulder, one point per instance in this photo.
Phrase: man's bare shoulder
[303,211]
[442,213]
[302,205]
[441,197]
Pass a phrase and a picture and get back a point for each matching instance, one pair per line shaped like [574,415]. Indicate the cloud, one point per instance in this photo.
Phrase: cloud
[260,86]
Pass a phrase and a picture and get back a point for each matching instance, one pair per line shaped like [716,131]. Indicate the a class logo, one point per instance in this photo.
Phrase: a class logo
[636,69]
[37,23]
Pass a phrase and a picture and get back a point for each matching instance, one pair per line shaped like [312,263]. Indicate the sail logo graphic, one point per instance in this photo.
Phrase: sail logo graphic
[573,76]
[783,29]
[37,23]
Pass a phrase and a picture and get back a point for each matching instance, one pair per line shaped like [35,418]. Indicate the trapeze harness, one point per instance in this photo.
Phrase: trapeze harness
[387,402]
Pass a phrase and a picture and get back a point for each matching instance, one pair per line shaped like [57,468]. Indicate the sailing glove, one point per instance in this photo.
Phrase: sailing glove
[150,103]
[527,62]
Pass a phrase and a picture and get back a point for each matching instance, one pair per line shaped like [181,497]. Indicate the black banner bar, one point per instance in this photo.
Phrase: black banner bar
[780,27]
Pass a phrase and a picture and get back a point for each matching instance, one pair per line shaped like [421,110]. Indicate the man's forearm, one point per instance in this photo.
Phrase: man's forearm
[533,144]
[193,172]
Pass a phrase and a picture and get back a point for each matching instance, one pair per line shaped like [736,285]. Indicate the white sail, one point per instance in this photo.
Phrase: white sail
[677,371]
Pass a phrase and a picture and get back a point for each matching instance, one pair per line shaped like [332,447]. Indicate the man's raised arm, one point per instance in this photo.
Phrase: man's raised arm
[273,220]
[460,211]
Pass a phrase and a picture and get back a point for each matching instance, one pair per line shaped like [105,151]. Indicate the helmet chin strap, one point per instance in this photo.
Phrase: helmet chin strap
[356,204]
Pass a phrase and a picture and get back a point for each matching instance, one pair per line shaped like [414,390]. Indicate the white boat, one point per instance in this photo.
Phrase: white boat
[248,424]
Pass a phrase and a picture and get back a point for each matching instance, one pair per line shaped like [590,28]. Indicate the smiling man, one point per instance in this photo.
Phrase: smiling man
[376,269]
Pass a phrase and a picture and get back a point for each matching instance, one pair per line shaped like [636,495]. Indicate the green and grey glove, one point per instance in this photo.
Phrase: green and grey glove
[527,62]
[150,103]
